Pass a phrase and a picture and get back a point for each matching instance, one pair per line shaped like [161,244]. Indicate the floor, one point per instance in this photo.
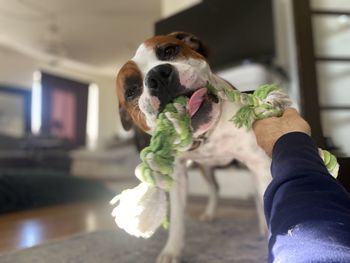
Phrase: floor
[33,227]
[29,228]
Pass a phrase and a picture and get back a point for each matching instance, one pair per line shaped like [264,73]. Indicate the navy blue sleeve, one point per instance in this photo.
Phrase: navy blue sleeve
[307,210]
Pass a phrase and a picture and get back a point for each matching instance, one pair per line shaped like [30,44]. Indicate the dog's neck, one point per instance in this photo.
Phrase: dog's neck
[217,81]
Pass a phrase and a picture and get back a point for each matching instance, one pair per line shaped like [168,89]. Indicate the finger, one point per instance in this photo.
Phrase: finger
[290,112]
[262,124]
[256,128]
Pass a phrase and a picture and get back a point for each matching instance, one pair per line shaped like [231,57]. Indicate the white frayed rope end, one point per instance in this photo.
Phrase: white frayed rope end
[140,210]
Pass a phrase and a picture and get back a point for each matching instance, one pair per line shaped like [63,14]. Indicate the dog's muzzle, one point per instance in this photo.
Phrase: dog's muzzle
[164,83]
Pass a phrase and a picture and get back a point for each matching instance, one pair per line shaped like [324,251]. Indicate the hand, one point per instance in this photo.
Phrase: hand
[269,130]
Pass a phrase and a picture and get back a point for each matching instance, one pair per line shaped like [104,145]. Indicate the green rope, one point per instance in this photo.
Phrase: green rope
[173,134]
[257,107]
[330,162]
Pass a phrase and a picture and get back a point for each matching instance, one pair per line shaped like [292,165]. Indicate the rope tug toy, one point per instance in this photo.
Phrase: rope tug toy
[141,210]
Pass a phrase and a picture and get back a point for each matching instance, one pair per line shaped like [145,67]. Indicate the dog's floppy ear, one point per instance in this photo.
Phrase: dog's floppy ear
[125,118]
[192,41]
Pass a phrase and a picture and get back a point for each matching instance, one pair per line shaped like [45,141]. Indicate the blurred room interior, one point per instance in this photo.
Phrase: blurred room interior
[63,151]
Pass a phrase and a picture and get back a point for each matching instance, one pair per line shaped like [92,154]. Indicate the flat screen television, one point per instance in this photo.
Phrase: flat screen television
[234,30]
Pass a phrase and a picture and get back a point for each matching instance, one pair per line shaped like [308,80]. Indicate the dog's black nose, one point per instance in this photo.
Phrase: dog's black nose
[159,78]
[163,82]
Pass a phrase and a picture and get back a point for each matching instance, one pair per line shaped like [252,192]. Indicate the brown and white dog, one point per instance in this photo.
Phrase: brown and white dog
[168,66]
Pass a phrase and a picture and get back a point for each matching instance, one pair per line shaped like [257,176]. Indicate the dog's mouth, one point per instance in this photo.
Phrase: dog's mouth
[197,99]
[202,108]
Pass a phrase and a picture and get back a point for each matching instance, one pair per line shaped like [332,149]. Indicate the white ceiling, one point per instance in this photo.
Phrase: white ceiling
[98,34]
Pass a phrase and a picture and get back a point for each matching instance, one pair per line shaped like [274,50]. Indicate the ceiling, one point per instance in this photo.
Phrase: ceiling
[87,33]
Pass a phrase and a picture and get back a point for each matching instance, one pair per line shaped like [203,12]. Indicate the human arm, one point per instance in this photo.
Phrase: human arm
[307,210]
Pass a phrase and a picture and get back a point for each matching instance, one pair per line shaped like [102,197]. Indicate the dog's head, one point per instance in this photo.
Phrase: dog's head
[163,68]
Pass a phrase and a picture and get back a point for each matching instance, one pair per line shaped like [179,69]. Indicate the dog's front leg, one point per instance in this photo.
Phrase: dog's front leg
[178,197]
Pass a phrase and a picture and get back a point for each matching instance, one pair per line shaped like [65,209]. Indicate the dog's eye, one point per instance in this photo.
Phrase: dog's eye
[168,52]
[131,92]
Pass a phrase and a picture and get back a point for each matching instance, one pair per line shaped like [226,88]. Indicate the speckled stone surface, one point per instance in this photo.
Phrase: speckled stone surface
[224,240]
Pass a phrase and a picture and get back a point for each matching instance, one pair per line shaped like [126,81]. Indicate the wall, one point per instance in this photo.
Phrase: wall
[170,7]
[285,47]
[17,70]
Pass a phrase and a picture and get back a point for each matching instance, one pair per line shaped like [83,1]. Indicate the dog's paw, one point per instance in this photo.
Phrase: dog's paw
[168,258]
[206,217]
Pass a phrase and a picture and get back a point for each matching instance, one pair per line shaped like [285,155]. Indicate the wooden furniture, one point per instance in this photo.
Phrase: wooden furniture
[114,164]
[307,68]
[307,62]
[309,79]
[344,172]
